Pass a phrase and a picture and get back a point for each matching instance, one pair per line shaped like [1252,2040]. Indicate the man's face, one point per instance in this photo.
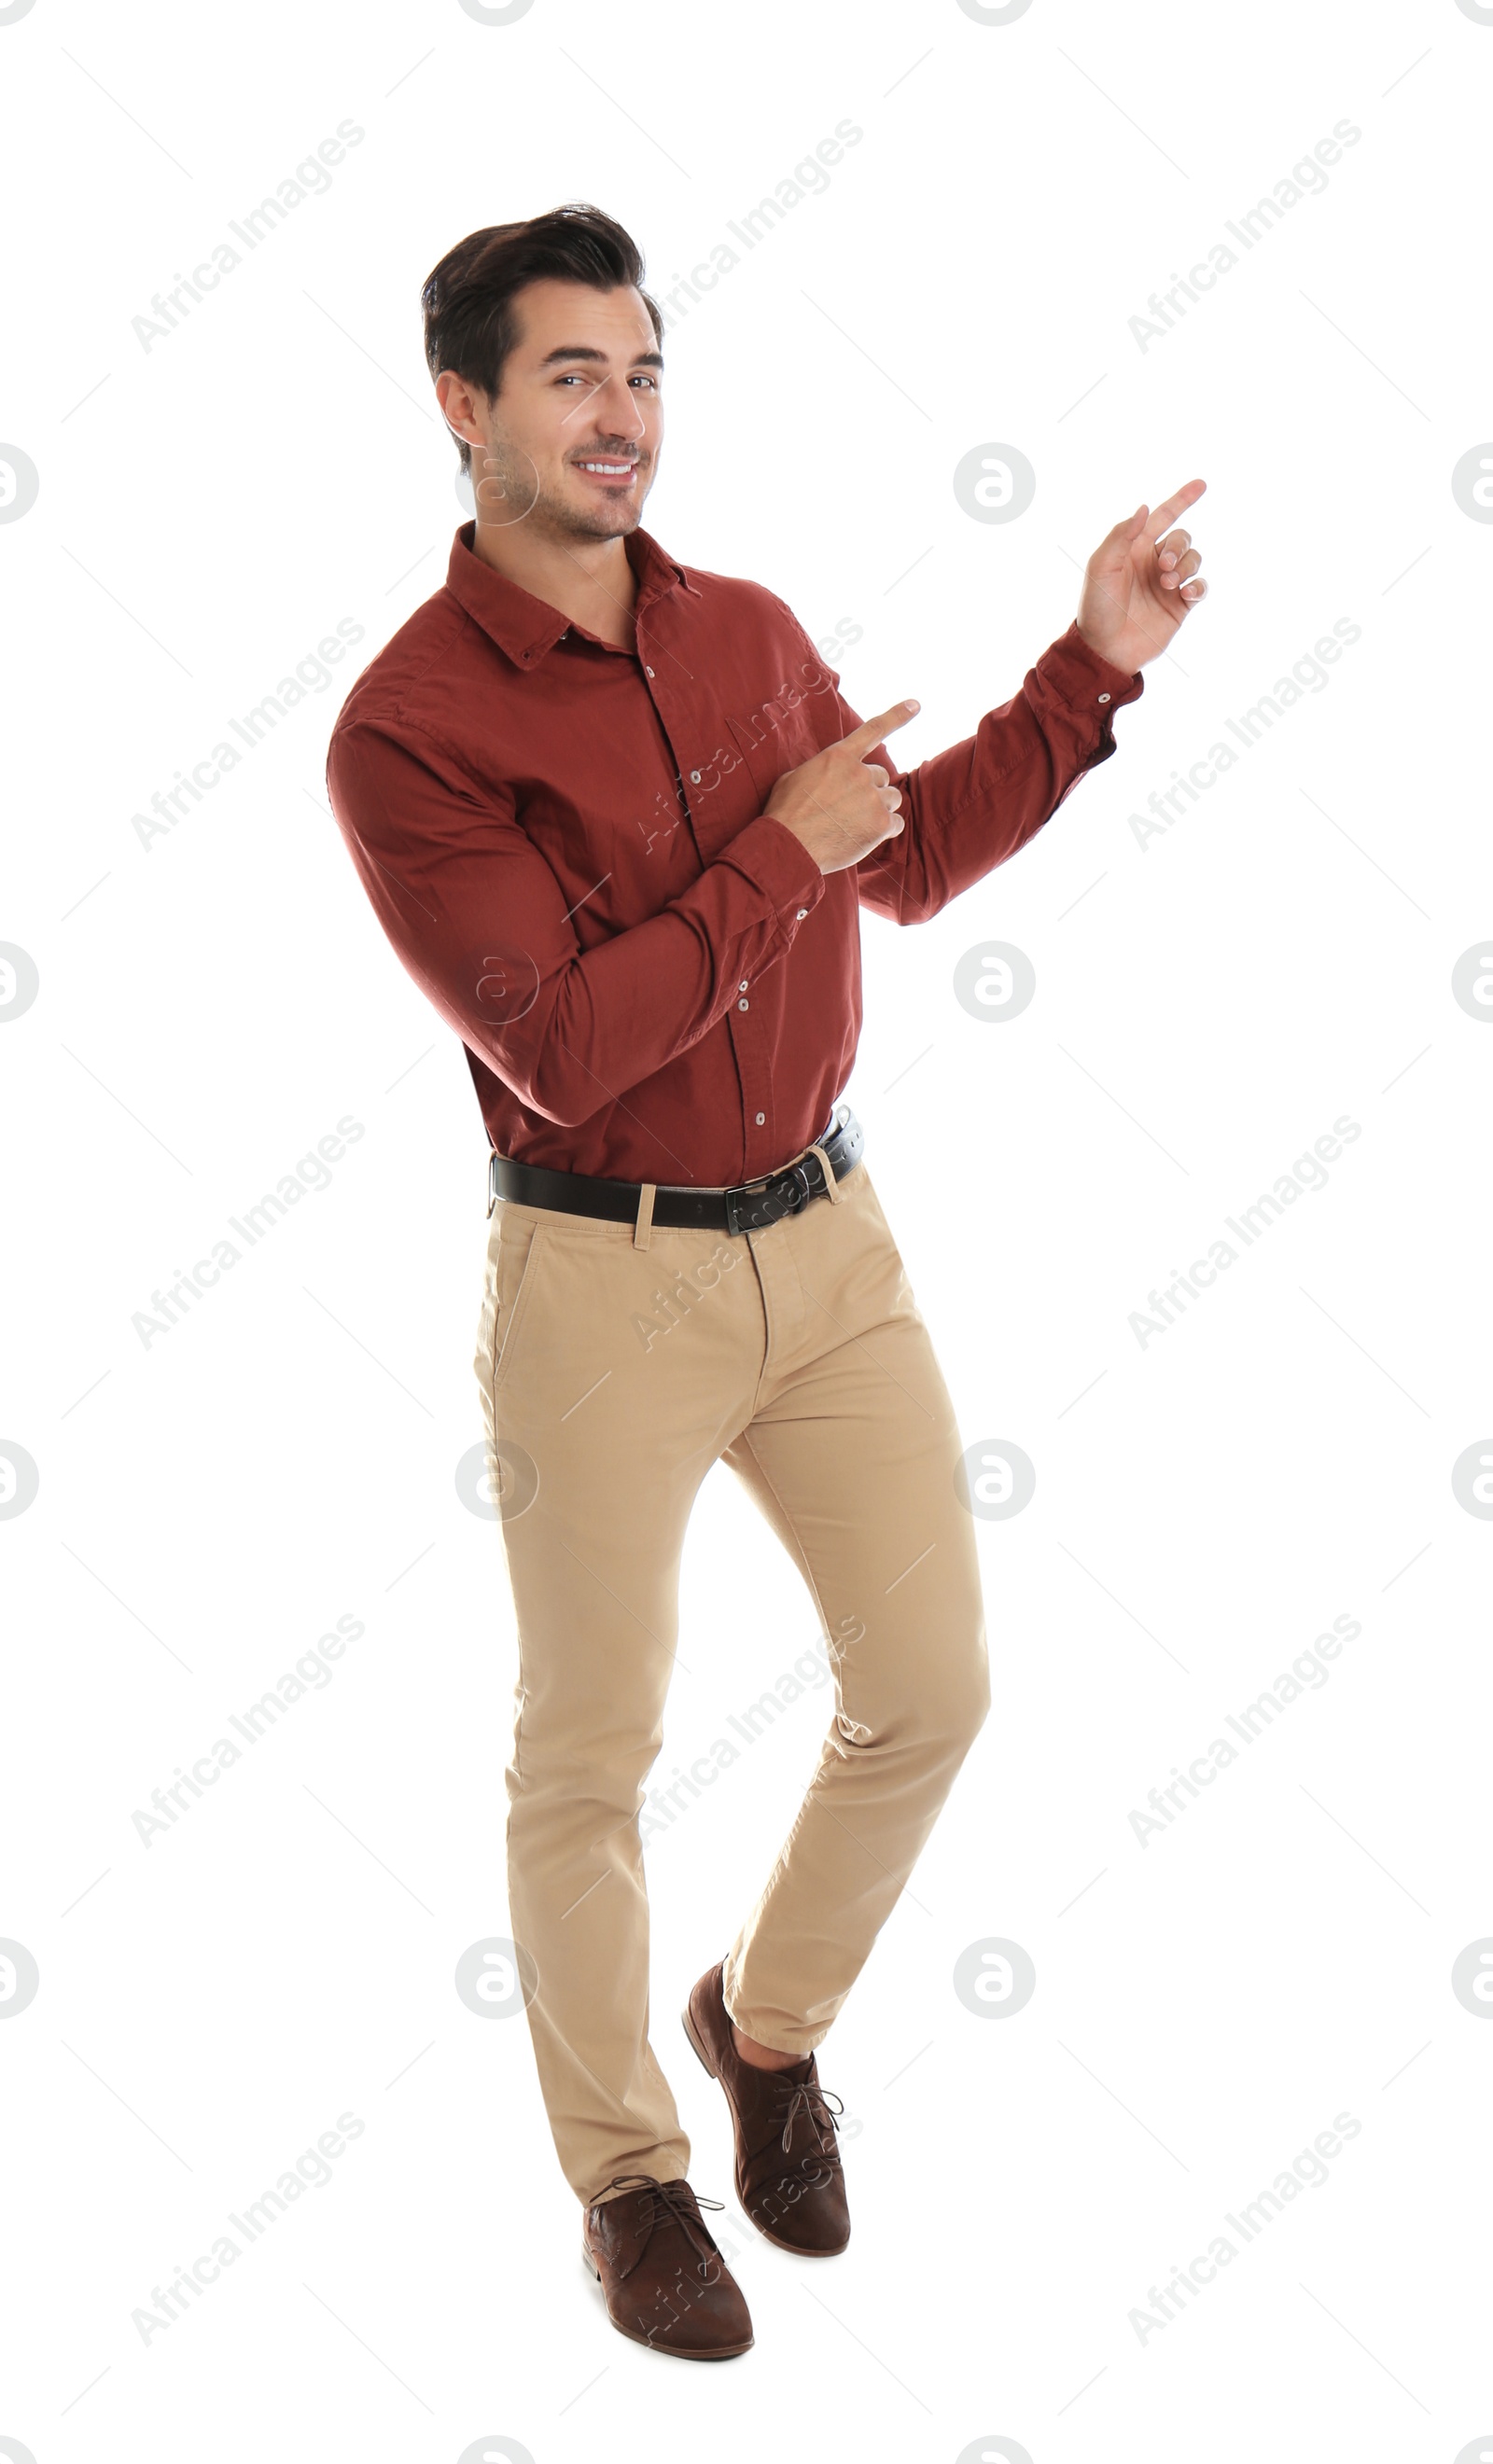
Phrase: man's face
[574,433]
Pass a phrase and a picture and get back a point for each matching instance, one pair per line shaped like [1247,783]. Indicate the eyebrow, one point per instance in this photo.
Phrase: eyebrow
[584,351]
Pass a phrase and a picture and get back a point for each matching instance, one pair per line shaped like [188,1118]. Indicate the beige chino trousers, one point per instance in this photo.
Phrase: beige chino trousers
[617,1363]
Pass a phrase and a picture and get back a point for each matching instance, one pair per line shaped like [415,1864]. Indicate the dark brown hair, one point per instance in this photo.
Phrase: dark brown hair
[468,300]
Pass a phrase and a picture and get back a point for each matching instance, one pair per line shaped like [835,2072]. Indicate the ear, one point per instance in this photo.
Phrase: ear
[458,408]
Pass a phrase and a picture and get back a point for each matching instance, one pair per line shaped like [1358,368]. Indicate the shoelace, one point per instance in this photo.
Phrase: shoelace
[670,2201]
[817,2105]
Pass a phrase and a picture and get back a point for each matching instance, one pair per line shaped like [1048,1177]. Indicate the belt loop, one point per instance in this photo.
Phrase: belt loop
[643,1229]
[832,1186]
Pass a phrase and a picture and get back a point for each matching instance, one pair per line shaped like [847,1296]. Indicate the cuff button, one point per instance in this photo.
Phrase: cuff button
[1104,696]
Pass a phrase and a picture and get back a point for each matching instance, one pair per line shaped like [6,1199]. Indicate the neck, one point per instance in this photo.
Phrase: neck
[589,580]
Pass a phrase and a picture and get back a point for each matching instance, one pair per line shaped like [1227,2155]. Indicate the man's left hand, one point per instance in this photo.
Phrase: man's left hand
[1140,582]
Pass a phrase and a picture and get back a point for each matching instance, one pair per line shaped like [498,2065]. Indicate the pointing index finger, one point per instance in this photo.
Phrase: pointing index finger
[1162,515]
[872,732]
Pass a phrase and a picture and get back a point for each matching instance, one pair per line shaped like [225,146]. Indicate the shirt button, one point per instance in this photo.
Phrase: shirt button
[743,1004]
[761,1118]
[1104,696]
[802,912]
[695,777]
[648,671]
[741,987]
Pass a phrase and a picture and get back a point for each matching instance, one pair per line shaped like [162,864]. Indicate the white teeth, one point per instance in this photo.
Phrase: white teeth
[609,470]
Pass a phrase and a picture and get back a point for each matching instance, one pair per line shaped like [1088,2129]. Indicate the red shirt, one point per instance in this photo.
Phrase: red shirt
[566,844]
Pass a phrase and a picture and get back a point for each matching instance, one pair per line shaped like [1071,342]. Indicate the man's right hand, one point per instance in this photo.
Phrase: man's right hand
[839,804]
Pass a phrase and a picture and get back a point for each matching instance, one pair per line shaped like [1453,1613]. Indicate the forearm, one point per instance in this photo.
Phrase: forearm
[609,1017]
[975,805]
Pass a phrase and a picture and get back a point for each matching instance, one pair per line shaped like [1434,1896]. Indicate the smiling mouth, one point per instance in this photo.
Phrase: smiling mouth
[618,473]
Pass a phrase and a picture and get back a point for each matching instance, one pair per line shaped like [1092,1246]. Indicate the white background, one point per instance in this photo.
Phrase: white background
[1206,1006]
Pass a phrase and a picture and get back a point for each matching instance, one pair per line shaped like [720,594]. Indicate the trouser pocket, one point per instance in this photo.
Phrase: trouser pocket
[514,1272]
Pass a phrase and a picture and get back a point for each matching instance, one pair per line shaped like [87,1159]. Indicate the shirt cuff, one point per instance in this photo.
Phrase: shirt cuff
[778,864]
[1083,679]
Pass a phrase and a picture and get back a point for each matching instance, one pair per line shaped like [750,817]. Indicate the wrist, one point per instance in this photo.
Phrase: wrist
[1105,652]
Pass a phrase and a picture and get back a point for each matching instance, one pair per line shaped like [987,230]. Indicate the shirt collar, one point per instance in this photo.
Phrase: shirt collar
[526,627]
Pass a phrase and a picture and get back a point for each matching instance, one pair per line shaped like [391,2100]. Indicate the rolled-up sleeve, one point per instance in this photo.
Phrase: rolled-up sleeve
[481,924]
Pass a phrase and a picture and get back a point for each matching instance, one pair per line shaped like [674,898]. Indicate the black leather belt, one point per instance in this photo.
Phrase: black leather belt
[747,1206]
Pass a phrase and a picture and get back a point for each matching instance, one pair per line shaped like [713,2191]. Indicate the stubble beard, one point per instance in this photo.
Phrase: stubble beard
[510,491]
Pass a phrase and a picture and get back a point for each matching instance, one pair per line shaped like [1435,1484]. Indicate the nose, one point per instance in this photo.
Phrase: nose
[633,409]
[615,409]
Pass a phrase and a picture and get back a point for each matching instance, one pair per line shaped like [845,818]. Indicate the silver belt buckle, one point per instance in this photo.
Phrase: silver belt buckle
[793,1177]
[733,1199]
[492,1182]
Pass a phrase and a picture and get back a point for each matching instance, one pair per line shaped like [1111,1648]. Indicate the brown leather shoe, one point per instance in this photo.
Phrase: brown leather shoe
[665,2283]
[789,2176]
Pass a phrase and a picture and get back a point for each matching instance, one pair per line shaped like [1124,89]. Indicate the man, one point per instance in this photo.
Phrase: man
[617,822]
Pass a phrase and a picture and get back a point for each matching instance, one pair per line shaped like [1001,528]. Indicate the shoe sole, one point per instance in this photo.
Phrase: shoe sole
[792,2247]
[676,2352]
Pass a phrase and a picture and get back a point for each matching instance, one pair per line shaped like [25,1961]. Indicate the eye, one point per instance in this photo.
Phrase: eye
[650,382]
